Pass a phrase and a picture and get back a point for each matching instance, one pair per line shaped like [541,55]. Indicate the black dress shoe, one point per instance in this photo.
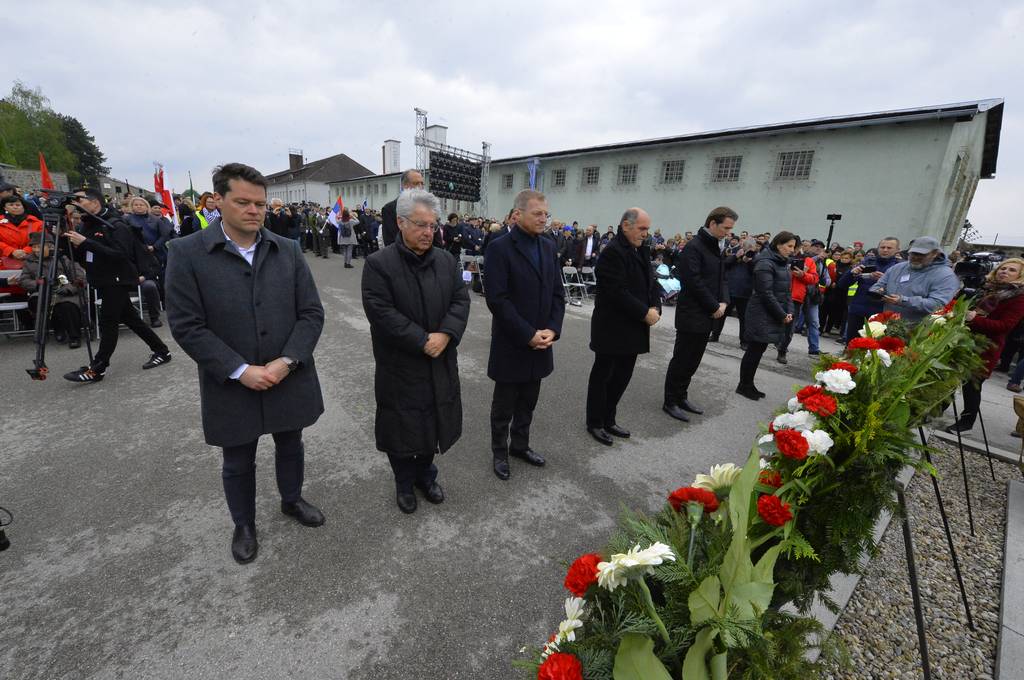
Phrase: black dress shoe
[760,394]
[600,435]
[616,431]
[433,493]
[687,406]
[74,343]
[61,338]
[406,502]
[675,412]
[156,323]
[530,456]
[244,545]
[306,514]
[748,391]
[960,426]
[501,469]
[781,358]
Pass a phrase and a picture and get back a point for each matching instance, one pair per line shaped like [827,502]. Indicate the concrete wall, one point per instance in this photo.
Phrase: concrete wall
[28,180]
[375,190]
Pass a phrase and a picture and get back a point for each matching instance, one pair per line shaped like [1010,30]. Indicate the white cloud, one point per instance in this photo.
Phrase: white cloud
[195,85]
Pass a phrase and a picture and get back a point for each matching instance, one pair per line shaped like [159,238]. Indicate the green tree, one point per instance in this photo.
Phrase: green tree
[83,145]
[28,126]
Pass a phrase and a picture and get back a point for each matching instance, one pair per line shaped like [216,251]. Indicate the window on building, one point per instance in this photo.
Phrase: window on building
[627,174]
[506,182]
[385,185]
[558,177]
[672,172]
[726,169]
[794,165]
[591,176]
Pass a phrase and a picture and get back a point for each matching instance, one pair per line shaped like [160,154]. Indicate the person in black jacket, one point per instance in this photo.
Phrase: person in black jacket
[703,300]
[770,309]
[739,273]
[417,305]
[110,264]
[527,302]
[411,179]
[626,305]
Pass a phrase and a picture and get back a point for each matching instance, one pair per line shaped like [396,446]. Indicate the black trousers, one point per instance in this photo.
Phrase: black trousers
[740,305]
[972,402]
[854,324]
[686,357]
[67,319]
[117,308]
[609,378]
[751,360]
[413,471]
[511,414]
[239,474]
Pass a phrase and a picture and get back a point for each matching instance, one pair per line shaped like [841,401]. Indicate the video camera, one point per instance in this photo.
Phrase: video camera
[973,269]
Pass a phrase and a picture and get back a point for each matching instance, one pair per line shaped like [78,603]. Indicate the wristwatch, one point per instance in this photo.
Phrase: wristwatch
[292,364]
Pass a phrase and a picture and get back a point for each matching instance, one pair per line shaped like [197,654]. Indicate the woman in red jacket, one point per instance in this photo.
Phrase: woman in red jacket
[996,313]
[15,226]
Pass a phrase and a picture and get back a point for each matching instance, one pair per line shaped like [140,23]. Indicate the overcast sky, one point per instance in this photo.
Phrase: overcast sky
[194,86]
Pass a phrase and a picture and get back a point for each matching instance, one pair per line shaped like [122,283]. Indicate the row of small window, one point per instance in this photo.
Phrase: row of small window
[364,190]
[789,165]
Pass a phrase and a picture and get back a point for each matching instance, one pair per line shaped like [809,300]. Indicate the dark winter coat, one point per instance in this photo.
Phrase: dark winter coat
[225,313]
[626,289]
[701,269]
[523,300]
[389,222]
[110,250]
[739,273]
[771,301]
[861,303]
[406,297]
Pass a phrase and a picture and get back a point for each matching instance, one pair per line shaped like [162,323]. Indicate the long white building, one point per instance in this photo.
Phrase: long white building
[906,173]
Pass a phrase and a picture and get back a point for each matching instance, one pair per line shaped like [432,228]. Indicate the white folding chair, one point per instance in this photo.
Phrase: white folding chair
[480,272]
[575,289]
[589,278]
[9,320]
[97,302]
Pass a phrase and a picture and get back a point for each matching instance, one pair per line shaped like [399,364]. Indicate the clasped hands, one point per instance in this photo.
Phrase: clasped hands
[542,339]
[436,343]
[720,312]
[262,378]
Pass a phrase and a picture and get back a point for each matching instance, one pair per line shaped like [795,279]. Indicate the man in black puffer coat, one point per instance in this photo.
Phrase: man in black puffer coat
[703,300]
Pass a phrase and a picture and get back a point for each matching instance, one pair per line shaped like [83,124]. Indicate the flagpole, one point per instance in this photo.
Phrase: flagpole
[191,190]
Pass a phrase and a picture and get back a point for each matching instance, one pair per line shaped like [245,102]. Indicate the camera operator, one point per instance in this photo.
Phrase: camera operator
[916,288]
[739,272]
[856,284]
[110,264]
[65,310]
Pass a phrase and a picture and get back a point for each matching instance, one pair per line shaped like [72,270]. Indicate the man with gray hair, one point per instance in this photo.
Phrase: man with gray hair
[417,306]
[411,179]
[924,284]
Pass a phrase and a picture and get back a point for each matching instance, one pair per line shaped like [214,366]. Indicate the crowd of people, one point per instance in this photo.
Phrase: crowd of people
[253,342]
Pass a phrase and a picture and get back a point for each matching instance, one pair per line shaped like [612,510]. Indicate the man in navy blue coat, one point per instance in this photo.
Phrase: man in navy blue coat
[526,298]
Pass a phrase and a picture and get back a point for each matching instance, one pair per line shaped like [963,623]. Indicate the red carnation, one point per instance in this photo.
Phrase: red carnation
[582,574]
[823,405]
[773,511]
[692,494]
[772,478]
[844,366]
[808,392]
[890,344]
[885,317]
[560,666]
[791,444]
[948,308]
[771,427]
[863,343]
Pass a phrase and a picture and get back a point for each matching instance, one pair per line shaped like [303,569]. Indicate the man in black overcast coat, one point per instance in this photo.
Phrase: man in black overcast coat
[626,305]
[703,299]
[527,300]
[411,179]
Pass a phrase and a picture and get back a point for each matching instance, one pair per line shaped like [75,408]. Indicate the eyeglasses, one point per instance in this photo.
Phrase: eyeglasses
[432,226]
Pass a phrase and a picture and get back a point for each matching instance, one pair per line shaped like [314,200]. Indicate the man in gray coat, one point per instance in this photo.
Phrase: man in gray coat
[921,286]
[242,303]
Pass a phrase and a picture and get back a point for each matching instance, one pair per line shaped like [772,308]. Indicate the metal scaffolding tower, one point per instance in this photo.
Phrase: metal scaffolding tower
[424,146]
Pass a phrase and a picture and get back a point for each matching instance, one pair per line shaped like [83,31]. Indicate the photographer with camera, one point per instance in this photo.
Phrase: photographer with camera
[739,273]
[856,285]
[111,255]
[916,288]
[804,291]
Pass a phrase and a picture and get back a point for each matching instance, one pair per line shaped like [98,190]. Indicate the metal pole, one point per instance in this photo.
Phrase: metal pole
[949,535]
[988,452]
[908,543]
[963,465]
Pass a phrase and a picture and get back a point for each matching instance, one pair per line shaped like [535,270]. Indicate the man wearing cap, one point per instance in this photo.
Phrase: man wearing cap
[920,286]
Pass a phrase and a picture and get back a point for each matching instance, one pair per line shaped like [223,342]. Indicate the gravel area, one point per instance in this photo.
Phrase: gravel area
[878,625]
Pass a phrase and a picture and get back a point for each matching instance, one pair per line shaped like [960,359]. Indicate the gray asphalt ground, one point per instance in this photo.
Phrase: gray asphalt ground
[120,564]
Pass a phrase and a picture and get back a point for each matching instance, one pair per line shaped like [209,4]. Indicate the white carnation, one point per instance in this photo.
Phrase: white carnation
[801,420]
[794,405]
[837,380]
[873,329]
[819,441]
[884,357]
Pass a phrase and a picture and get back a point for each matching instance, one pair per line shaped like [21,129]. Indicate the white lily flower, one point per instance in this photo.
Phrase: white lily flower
[819,441]
[884,357]
[872,329]
[573,619]
[621,567]
[720,477]
[549,649]
[801,420]
[836,380]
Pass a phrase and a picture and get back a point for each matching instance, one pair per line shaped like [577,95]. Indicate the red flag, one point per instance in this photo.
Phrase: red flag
[46,181]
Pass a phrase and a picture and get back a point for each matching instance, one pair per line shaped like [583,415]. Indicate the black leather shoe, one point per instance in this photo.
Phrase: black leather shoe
[74,343]
[687,406]
[244,545]
[530,456]
[961,426]
[61,339]
[433,493]
[406,502]
[501,469]
[156,323]
[781,358]
[675,412]
[760,394]
[748,391]
[600,435]
[306,514]
[617,431]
